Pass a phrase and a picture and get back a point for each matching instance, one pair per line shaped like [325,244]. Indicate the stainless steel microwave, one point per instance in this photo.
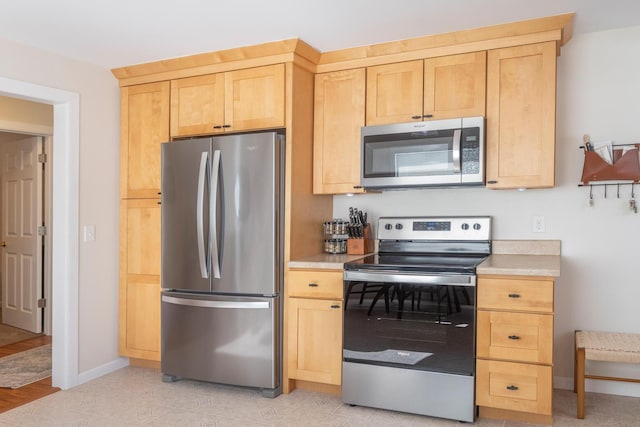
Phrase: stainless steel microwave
[423,154]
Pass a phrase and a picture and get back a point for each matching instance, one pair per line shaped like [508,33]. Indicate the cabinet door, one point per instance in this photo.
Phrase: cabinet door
[197,105]
[139,322]
[514,386]
[315,284]
[454,86]
[254,98]
[338,116]
[515,294]
[522,337]
[521,96]
[315,340]
[394,93]
[144,111]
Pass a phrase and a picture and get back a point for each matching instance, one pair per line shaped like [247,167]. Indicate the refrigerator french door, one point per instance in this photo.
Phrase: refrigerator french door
[222,260]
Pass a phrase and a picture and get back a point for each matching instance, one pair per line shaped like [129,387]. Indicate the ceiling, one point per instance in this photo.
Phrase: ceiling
[115,33]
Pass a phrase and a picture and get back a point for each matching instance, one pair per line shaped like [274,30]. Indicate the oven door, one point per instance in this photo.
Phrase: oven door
[419,322]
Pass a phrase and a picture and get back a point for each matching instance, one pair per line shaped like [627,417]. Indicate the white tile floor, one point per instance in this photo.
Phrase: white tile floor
[138,397]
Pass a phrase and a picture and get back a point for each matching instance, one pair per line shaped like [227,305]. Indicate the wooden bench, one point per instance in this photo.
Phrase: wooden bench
[602,346]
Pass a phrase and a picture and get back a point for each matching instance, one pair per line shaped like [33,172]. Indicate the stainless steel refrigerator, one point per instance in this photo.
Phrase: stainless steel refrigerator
[222,199]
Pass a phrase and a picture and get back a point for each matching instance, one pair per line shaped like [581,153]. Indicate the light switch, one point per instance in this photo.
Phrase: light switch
[89,233]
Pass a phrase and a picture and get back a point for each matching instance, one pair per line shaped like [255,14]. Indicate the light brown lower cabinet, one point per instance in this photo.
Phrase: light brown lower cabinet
[512,386]
[314,322]
[514,350]
[139,319]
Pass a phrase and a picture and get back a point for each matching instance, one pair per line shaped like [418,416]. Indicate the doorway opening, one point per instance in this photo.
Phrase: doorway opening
[64,222]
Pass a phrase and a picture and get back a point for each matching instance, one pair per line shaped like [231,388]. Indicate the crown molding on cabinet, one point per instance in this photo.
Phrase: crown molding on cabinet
[558,28]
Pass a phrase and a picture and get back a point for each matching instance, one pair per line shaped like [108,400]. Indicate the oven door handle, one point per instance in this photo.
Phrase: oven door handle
[397,277]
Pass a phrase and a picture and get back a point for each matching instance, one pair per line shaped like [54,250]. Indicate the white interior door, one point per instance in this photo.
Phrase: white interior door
[21,245]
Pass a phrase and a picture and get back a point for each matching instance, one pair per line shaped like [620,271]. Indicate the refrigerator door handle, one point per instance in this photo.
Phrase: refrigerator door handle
[213,228]
[200,215]
[215,304]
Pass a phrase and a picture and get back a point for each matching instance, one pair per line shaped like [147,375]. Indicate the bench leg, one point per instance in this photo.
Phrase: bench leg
[579,379]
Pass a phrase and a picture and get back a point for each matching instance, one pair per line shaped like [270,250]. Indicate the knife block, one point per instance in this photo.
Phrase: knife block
[363,245]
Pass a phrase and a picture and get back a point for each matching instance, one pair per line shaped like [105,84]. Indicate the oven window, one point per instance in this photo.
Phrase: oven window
[409,154]
[423,327]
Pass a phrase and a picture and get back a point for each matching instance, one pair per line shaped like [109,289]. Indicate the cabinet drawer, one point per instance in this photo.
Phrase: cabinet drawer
[315,284]
[515,294]
[523,337]
[514,386]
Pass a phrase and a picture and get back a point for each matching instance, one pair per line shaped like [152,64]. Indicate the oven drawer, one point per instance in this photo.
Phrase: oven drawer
[515,294]
[514,386]
[523,337]
[315,284]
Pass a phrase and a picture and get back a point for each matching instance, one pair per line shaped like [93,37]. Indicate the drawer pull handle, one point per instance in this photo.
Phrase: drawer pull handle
[335,306]
[313,285]
[514,295]
[512,387]
[514,337]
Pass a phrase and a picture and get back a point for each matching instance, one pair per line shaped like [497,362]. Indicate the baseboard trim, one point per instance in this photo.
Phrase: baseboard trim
[600,386]
[107,368]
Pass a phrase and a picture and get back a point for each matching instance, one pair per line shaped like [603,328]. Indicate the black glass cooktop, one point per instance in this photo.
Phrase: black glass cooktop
[418,263]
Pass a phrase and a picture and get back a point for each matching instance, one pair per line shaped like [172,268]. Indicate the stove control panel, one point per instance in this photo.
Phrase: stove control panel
[435,228]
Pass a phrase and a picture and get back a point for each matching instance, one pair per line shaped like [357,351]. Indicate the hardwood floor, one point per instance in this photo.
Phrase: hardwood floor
[9,398]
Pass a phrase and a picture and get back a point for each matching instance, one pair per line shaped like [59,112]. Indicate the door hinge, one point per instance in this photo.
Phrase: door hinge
[42,303]
[42,230]
[42,158]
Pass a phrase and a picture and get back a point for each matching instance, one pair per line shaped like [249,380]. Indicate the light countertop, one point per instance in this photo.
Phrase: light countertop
[509,257]
[324,261]
[521,265]
[523,258]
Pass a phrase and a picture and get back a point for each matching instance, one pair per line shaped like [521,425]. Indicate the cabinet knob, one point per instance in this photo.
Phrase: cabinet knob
[217,127]
[416,117]
[427,116]
[492,182]
[313,285]
[226,126]
[514,337]
[514,295]
[512,387]
[335,306]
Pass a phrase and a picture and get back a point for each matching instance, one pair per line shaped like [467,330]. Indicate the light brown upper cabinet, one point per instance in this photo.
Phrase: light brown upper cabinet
[521,107]
[144,111]
[434,88]
[248,99]
[339,104]
[454,86]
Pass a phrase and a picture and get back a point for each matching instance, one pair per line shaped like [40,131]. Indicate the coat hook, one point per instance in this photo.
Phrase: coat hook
[618,194]
[590,195]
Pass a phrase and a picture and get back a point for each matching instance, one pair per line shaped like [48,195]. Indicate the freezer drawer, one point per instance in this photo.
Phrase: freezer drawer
[222,339]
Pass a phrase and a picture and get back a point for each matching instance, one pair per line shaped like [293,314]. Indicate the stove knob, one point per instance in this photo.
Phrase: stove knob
[477,226]
[465,226]
[388,226]
[398,226]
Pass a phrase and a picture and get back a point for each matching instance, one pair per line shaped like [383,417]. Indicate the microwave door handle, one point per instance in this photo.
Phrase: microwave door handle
[457,137]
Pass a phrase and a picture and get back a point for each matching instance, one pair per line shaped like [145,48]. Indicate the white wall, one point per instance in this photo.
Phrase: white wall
[98,189]
[599,287]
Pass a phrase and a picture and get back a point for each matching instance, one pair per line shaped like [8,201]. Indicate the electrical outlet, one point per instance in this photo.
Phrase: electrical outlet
[89,233]
[538,224]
